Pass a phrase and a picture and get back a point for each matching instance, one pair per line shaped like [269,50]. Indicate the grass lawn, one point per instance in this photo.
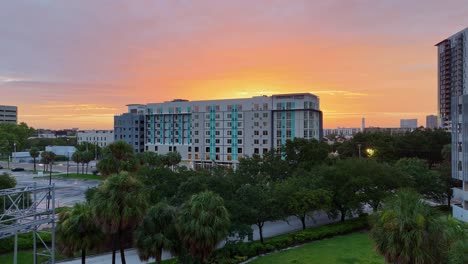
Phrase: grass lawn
[355,248]
[76,176]
[25,257]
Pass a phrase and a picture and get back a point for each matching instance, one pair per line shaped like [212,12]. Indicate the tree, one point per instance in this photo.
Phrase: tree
[48,158]
[77,230]
[87,157]
[306,153]
[202,223]
[256,204]
[172,158]
[425,181]
[156,232]
[408,231]
[119,204]
[344,181]
[77,157]
[118,156]
[34,152]
[7,181]
[301,196]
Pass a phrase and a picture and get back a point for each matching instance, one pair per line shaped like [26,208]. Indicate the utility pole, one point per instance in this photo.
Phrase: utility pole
[359,149]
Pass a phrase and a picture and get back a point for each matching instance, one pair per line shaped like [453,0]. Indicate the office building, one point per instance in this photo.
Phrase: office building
[409,123]
[222,131]
[102,138]
[8,114]
[453,111]
[431,122]
[130,127]
[389,130]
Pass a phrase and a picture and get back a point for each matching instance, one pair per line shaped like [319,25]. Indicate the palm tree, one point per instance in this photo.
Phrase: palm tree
[76,157]
[87,156]
[34,152]
[156,232]
[118,156]
[408,231]
[77,231]
[202,223]
[119,204]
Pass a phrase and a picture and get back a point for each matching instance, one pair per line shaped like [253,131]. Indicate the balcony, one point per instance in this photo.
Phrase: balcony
[460,213]
[460,194]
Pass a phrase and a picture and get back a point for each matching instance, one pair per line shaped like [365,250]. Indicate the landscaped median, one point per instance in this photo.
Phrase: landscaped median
[75,176]
[241,251]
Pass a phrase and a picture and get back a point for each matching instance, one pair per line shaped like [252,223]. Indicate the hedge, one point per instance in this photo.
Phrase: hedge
[25,241]
[235,252]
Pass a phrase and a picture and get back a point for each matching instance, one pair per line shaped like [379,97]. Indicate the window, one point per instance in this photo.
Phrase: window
[239,132]
[218,132]
[265,115]
[229,116]
[239,124]
[265,132]
[256,141]
[207,157]
[189,156]
[229,132]
[196,132]
[217,141]
[196,141]
[217,149]
[229,157]
[196,149]
[207,124]
[256,124]
[265,150]
[229,150]
[229,124]
[239,115]
[256,151]
[256,115]
[265,142]
[207,149]
[170,148]
[239,141]
[207,133]
[239,150]
[207,141]
[190,149]
[256,132]
[197,156]
[229,141]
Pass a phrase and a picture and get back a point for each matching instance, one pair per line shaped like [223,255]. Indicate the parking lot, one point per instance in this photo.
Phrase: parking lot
[68,191]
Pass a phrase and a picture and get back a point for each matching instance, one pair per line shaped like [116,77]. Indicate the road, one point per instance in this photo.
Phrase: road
[57,167]
[269,230]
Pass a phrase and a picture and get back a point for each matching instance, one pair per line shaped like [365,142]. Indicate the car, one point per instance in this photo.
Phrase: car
[1,167]
[17,169]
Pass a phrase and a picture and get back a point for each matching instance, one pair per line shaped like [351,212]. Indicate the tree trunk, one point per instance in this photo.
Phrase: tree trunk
[82,168]
[34,164]
[122,250]
[77,168]
[113,250]
[260,231]
[83,256]
[303,222]
[158,256]
[343,215]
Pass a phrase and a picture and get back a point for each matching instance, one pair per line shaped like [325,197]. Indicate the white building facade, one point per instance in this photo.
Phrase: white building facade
[341,131]
[223,131]
[408,123]
[102,138]
[453,110]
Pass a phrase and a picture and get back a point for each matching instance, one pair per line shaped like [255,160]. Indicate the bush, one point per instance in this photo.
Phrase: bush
[25,241]
[235,252]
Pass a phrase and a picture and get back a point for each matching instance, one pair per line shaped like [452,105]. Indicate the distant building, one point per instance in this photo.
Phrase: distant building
[130,127]
[408,123]
[389,130]
[341,131]
[66,151]
[363,124]
[8,114]
[102,138]
[431,122]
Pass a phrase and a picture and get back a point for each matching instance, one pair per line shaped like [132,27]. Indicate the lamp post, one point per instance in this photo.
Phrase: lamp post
[68,162]
[95,150]
[359,149]
[14,150]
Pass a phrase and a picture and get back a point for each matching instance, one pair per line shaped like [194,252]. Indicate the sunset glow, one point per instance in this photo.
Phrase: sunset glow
[76,64]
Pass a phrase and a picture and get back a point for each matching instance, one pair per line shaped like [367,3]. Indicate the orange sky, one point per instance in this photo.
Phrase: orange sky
[77,64]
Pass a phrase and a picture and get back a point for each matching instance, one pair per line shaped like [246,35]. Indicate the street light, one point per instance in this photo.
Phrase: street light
[370,152]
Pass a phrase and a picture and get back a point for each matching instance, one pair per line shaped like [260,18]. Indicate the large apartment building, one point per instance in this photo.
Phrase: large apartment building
[130,127]
[453,107]
[223,131]
[8,114]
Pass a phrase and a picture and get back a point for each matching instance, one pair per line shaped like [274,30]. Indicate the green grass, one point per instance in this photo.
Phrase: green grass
[26,257]
[91,177]
[355,248]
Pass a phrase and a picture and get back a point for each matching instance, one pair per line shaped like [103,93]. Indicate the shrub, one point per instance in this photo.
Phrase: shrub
[235,252]
[25,241]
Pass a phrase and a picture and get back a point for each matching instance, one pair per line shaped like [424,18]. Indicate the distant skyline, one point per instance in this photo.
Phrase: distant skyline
[78,63]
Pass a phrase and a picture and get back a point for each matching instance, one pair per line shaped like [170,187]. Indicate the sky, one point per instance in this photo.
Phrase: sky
[76,64]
